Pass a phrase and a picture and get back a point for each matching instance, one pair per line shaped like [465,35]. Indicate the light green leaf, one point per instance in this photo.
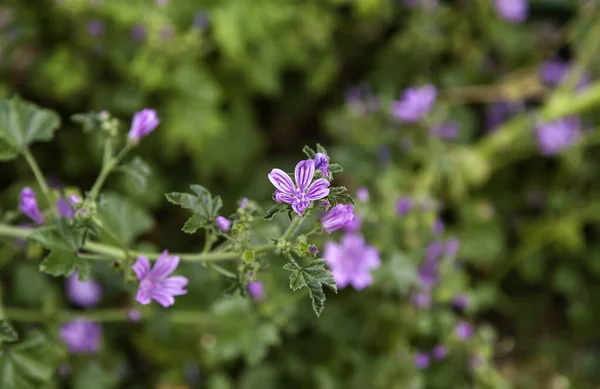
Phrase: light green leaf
[50,238]
[313,276]
[137,171]
[64,263]
[7,332]
[275,209]
[91,375]
[193,224]
[204,206]
[23,123]
[123,218]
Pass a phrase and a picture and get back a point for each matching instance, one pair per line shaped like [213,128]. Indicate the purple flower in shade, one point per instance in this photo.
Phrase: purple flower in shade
[313,249]
[223,223]
[84,293]
[64,208]
[155,283]
[201,20]
[404,205]
[29,206]
[244,203]
[447,131]
[301,195]
[74,200]
[498,113]
[421,299]
[513,11]
[434,250]
[351,261]
[138,33]
[355,224]
[421,360]
[81,336]
[428,274]
[256,290]
[553,72]
[438,227]
[414,104]
[451,247]
[555,136]
[322,164]
[461,301]
[362,194]
[143,123]
[95,27]
[337,217]
[439,352]
[463,330]
[134,315]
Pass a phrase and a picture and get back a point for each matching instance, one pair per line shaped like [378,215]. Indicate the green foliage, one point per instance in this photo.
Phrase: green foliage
[314,277]
[7,332]
[204,206]
[138,172]
[123,218]
[27,364]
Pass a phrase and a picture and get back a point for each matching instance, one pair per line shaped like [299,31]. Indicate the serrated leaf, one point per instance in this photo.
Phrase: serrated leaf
[27,364]
[64,263]
[193,224]
[7,332]
[51,238]
[313,276]
[335,168]
[321,149]
[137,172]
[123,218]
[274,210]
[204,206]
[23,123]
[310,153]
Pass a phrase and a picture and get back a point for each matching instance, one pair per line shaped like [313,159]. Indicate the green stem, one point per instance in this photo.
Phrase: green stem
[292,227]
[39,177]
[108,165]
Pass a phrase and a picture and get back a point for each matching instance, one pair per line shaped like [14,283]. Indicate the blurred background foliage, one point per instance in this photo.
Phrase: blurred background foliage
[240,86]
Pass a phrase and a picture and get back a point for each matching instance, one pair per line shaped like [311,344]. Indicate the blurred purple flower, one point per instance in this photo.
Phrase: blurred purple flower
[223,223]
[355,224]
[337,217]
[299,196]
[513,11]
[201,20]
[451,247]
[81,336]
[64,208]
[414,104]
[95,27]
[74,199]
[84,293]
[244,203]
[421,360]
[362,194]
[439,352]
[464,330]
[155,283]
[256,290]
[143,123]
[498,113]
[29,206]
[361,100]
[138,33]
[461,301]
[134,315]
[434,250]
[428,274]
[404,205]
[421,299]
[438,227]
[447,131]
[322,163]
[351,261]
[552,72]
[555,136]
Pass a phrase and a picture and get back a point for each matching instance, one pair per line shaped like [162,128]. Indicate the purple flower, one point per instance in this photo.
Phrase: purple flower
[439,352]
[138,33]
[421,360]
[313,249]
[301,195]
[244,203]
[428,274]
[362,194]
[29,206]
[322,164]
[74,199]
[447,131]
[513,11]
[438,227]
[351,261]
[223,223]
[337,217]
[84,293]
[414,104]
[433,251]
[81,336]
[355,224]
[404,205]
[256,290]
[461,301]
[155,283]
[95,27]
[421,299]
[144,122]
[201,20]
[498,113]
[557,135]
[361,100]
[463,330]
[134,315]
[64,208]
[553,72]
[451,247]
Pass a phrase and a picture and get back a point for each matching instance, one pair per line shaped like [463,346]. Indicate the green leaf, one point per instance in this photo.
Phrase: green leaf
[27,364]
[123,218]
[7,332]
[274,210]
[23,123]
[64,263]
[91,375]
[321,149]
[203,205]
[51,238]
[138,172]
[335,168]
[313,276]
[310,153]
[89,121]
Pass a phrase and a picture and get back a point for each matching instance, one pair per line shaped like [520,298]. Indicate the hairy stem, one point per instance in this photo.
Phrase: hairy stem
[37,172]
[107,166]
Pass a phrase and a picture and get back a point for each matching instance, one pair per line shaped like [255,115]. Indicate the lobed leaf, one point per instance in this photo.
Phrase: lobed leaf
[313,276]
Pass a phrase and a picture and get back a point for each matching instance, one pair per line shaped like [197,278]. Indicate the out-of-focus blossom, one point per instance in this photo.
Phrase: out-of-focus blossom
[404,205]
[244,203]
[256,290]
[64,208]
[82,336]
[362,194]
[439,352]
[421,299]
[498,113]
[301,194]
[223,223]
[414,104]
[421,360]
[553,72]
[351,261]
[451,247]
[162,3]
[513,11]
[361,101]
[95,27]
[134,315]
[143,123]
[337,217]
[84,293]
[322,163]
[461,301]
[155,283]
[464,330]
[64,370]
[138,33]
[555,136]
[355,224]
[447,131]
[201,20]
[438,227]
[29,206]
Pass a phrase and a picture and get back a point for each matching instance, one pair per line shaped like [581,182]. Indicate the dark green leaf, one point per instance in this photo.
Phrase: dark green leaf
[7,332]
[23,123]
[313,276]
[321,149]
[274,210]
[28,364]
[138,172]
[91,375]
[123,218]
[335,168]
[51,238]
[64,263]
[204,206]
[310,153]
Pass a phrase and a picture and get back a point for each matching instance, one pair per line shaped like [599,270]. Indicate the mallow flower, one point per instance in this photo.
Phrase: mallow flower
[513,11]
[337,217]
[29,206]
[64,208]
[83,293]
[421,360]
[414,104]
[555,136]
[143,123]
[155,283]
[322,163]
[81,336]
[223,223]
[301,194]
[351,261]
[256,290]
